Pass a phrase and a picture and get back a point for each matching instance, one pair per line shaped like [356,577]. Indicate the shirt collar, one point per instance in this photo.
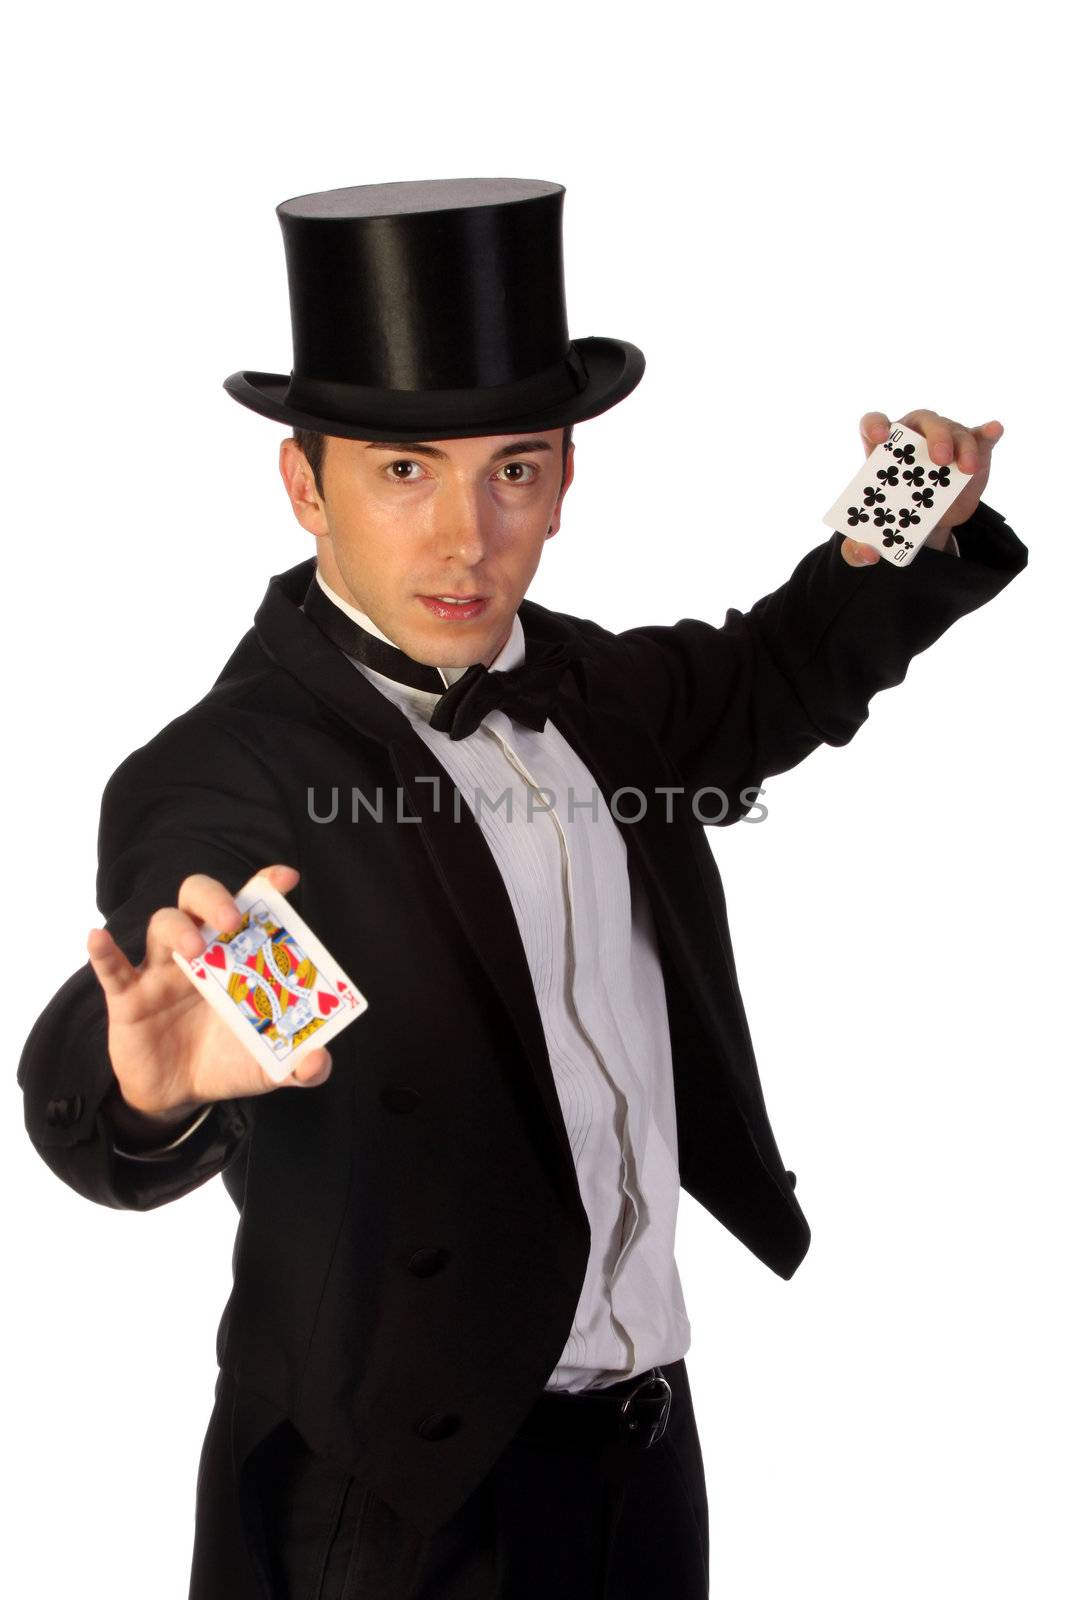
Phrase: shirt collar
[511,654]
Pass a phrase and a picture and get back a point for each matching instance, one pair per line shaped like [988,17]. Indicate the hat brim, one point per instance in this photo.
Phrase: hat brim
[614,369]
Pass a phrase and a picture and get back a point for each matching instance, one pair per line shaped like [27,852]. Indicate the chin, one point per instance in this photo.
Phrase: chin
[444,652]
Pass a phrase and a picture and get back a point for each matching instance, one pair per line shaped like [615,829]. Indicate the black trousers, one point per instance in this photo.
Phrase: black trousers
[571,1510]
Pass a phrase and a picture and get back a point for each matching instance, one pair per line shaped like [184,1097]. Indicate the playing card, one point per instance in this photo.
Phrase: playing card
[272,981]
[898,497]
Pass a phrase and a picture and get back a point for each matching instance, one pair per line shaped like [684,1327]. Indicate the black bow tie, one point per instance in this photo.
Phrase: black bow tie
[526,693]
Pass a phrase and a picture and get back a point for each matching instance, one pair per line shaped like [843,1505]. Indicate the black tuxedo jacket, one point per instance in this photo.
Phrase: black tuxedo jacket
[412,1241]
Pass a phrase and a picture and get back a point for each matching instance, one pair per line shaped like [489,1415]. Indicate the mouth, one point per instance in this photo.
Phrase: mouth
[456,608]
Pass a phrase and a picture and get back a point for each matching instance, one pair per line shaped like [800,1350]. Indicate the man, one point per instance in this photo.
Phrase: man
[452,1363]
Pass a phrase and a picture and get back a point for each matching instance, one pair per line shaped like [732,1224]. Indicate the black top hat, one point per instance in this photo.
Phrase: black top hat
[433,310]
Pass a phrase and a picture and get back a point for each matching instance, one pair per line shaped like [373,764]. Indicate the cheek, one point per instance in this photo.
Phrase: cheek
[526,561]
[373,545]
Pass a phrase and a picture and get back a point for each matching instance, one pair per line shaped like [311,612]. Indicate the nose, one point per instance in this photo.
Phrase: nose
[461,524]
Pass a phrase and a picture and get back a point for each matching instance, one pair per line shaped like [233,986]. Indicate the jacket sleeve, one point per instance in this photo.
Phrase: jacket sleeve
[735,704]
[196,798]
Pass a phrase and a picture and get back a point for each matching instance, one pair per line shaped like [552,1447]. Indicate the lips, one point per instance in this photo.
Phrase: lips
[461,610]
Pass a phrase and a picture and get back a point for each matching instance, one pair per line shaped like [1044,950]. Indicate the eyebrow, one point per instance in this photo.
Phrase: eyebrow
[520,448]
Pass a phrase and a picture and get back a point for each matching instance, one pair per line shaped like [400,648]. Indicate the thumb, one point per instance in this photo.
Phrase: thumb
[858,554]
[313,1070]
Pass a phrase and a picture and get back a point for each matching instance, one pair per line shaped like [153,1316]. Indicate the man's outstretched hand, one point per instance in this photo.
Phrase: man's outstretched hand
[172,1053]
[946,441]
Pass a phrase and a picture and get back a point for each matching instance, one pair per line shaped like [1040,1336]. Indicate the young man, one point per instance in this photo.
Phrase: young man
[452,1364]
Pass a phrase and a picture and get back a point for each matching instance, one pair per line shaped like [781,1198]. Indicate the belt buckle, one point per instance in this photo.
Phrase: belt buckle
[643,1415]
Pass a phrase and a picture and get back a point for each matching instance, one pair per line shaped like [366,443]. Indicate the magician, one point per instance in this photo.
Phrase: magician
[452,1363]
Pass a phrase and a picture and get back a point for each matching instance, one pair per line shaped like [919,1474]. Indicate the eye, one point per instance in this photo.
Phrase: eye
[404,477]
[519,465]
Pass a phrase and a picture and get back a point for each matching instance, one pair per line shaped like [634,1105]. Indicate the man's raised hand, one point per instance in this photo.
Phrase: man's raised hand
[946,441]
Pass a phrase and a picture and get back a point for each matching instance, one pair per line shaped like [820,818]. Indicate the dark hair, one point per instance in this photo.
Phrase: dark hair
[314,448]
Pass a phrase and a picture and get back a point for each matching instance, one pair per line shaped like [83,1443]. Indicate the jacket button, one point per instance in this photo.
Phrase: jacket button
[792,1178]
[400,1099]
[439,1426]
[64,1113]
[424,1263]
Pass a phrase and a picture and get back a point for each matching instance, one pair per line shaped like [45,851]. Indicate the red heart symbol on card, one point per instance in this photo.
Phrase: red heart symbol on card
[215,956]
[327,1003]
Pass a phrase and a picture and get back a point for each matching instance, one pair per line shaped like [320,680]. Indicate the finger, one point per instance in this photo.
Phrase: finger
[858,554]
[170,929]
[874,429]
[281,876]
[966,449]
[947,440]
[921,419]
[973,447]
[113,971]
[940,435]
[935,429]
[207,900]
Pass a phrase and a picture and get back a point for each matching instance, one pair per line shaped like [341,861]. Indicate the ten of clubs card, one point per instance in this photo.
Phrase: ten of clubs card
[897,497]
[272,982]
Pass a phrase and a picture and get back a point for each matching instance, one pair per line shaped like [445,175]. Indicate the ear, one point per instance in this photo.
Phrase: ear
[568,479]
[299,480]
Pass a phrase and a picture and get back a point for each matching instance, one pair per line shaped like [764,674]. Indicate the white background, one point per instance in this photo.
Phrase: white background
[799,214]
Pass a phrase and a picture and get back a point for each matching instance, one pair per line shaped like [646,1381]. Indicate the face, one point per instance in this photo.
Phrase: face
[399,524]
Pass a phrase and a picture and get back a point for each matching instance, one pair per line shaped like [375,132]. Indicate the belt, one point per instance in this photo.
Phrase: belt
[633,1412]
